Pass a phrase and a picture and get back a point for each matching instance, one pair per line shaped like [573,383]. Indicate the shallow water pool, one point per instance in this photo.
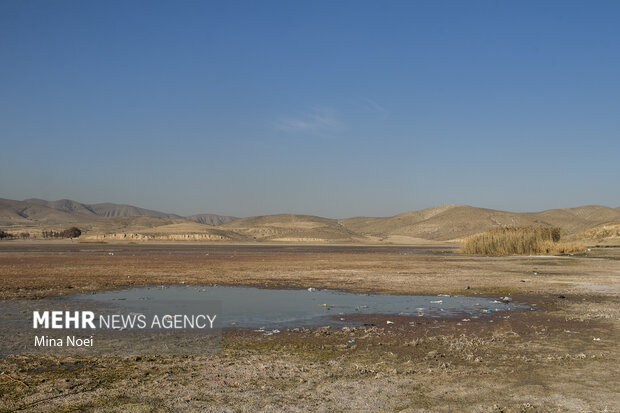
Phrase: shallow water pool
[247,307]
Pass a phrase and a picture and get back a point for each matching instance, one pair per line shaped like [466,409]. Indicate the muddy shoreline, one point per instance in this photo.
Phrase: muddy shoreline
[562,357]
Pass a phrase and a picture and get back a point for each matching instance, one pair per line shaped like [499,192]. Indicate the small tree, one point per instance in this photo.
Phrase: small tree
[50,234]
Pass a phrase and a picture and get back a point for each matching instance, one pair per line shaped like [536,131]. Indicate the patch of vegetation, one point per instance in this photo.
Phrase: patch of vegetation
[512,240]
[72,232]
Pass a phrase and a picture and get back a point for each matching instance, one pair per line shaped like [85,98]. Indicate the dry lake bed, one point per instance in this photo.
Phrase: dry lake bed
[382,328]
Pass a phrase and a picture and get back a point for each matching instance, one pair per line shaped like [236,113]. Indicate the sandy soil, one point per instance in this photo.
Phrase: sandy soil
[544,360]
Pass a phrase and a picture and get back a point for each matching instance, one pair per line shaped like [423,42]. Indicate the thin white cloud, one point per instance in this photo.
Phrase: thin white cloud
[318,120]
[373,106]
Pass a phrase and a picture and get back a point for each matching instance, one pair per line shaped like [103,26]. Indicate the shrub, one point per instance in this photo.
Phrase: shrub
[519,241]
[72,232]
[49,234]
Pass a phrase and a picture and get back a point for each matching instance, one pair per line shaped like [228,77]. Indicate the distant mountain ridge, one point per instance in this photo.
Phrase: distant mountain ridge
[211,219]
[39,211]
[438,224]
[449,222]
[441,223]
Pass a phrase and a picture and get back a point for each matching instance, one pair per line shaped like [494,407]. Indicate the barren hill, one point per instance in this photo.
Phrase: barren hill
[65,205]
[450,222]
[292,228]
[36,213]
[606,234]
[120,210]
[437,224]
[210,219]
[154,228]
[65,211]
[573,220]
[98,210]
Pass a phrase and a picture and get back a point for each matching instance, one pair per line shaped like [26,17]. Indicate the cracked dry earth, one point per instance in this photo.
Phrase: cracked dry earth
[562,357]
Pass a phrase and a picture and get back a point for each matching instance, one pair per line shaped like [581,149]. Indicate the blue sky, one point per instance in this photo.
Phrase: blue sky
[335,108]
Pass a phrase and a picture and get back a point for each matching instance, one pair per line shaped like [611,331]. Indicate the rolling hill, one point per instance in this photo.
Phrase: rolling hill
[453,222]
[65,211]
[35,213]
[443,223]
[606,234]
[292,228]
[210,219]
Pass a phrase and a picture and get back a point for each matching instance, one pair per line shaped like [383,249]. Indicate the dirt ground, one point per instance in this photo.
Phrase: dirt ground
[562,357]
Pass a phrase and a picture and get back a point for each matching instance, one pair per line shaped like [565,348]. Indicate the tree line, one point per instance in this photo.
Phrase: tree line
[73,232]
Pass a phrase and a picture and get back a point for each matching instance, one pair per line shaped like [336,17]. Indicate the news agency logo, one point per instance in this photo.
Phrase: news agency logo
[88,319]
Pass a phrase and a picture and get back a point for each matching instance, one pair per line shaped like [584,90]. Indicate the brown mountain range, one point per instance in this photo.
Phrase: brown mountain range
[437,224]
[65,211]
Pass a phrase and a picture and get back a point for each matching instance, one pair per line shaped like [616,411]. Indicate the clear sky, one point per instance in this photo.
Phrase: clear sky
[331,108]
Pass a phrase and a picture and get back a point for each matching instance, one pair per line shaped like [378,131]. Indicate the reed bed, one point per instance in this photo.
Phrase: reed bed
[526,240]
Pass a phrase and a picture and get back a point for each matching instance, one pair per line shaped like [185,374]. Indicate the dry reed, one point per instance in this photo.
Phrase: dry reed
[513,240]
